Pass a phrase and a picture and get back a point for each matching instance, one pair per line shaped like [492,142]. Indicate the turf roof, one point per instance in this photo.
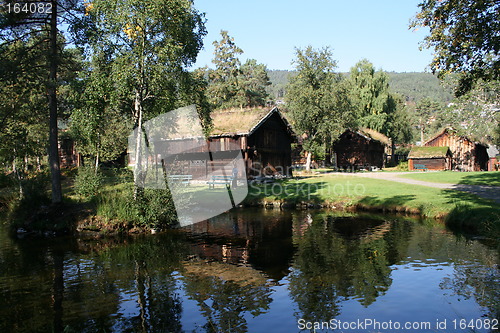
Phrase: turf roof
[237,121]
[376,135]
[428,152]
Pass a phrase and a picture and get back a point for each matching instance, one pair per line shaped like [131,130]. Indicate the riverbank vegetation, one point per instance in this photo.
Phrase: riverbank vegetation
[100,202]
[111,208]
[458,209]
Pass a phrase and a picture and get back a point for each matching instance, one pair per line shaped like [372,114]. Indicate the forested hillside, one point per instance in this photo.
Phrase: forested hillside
[414,86]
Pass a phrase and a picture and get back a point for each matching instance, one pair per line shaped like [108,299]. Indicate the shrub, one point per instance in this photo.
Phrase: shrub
[117,205]
[156,208]
[466,219]
[402,166]
[35,194]
[6,180]
[88,181]
[153,208]
[35,188]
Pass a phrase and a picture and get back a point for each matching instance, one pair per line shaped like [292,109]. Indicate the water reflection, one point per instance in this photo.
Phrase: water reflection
[339,258]
[250,270]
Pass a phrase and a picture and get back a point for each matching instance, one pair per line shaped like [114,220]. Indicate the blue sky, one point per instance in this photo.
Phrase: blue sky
[269,31]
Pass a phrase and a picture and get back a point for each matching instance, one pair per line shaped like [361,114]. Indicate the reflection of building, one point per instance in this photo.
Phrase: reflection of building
[362,148]
[240,238]
[466,155]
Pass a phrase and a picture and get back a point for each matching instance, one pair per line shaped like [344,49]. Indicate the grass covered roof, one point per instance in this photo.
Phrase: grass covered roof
[376,135]
[238,121]
[428,152]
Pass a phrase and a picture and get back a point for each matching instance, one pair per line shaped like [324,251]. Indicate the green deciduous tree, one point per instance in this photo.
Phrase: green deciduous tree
[318,99]
[99,128]
[465,36]
[372,101]
[151,44]
[24,119]
[424,110]
[475,113]
[402,122]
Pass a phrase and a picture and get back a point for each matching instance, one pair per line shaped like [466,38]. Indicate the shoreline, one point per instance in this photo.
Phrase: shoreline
[458,210]
[75,220]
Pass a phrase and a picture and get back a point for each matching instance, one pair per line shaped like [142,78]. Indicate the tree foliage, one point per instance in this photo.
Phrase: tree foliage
[224,78]
[318,98]
[475,114]
[232,84]
[427,110]
[16,28]
[465,35]
[374,104]
[150,45]
[99,128]
[253,80]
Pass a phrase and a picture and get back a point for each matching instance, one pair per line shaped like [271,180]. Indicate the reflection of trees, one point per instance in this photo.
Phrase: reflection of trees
[160,307]
[330,268]
[146,269]
[224,302]
[127,285]
[473,279]
[31,285]
[478,278]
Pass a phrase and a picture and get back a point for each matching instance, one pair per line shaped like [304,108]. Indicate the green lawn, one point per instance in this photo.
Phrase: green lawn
[370,192]
[452,177]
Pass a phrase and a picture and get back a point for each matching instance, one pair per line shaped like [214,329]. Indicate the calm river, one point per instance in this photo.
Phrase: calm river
[255,270]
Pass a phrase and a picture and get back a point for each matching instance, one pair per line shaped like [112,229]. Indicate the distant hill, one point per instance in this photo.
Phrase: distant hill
[413,86]
[279,80]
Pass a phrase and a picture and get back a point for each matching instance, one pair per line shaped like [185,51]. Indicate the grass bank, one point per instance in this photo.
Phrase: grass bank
[112,207]
[103,204]
[458,209]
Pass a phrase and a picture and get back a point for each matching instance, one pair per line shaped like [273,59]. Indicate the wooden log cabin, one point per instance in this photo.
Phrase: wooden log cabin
[361,149]
[262,135]
[432,158]
[466,155]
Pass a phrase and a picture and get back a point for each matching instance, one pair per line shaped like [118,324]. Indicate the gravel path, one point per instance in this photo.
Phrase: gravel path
[484,191]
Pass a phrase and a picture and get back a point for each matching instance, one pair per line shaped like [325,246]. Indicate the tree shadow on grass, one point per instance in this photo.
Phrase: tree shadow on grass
[462,197]
[394,200]
[489,178]
[396,203]
[288,192]
[473,215]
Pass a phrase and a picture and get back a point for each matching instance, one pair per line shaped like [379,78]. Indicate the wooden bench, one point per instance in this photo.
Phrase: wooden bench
[220,180]
[419,167]
[183,179]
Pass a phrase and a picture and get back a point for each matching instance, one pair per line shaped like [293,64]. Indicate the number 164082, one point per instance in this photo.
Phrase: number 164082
[29,8]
